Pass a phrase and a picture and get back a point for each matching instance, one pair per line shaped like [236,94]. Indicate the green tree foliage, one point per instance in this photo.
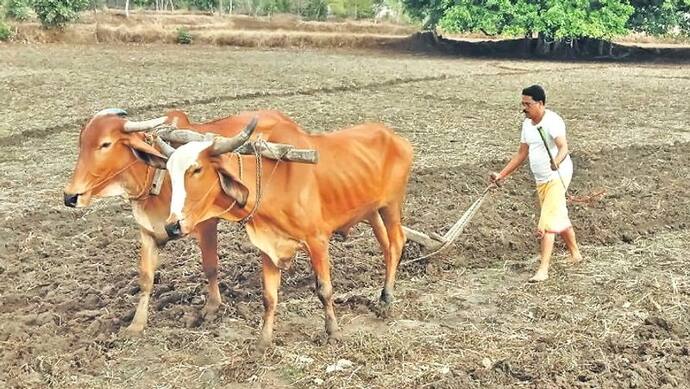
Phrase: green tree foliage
[203,5]
[554,19]
[429,12]
[17,9]
[5,31]
[658,17]
[357,9]
[58,13]
[316,9]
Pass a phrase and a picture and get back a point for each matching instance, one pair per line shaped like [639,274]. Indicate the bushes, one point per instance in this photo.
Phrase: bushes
[58,13]
[5,32]
[183,36]
[17,9]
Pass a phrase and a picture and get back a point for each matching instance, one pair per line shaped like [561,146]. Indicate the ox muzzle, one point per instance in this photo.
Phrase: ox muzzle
[174,230]
[71,199]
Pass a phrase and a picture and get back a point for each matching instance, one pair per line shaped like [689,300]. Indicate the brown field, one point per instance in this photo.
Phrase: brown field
[467,318]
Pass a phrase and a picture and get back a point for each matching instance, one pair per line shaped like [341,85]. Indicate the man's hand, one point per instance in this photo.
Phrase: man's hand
[554,165]
[496,178]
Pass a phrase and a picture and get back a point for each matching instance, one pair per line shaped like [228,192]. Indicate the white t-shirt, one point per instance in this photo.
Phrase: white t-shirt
[539,161]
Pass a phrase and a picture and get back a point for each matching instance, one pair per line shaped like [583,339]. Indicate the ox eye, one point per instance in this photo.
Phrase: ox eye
[105,145]
[196,171]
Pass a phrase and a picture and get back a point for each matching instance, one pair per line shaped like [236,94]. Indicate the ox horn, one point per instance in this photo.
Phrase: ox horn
[112,111]
[223,145]
[131,126]
[173,135]
[165,147]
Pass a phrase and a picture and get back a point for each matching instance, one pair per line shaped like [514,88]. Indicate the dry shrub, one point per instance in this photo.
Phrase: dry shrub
[153,33]
[33,32]
[294,39]
[136,34]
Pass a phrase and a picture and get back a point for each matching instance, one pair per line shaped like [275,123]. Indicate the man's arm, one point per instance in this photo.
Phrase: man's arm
[514,163]
[562,145]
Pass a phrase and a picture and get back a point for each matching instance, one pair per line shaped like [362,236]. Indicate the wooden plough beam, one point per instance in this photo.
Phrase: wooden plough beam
[435,243]
[429,242]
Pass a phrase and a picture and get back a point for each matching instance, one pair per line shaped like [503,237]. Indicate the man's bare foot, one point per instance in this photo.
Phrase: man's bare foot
[575,258]
[542,275]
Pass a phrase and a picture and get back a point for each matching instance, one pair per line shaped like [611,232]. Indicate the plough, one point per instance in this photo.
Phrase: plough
[435,243]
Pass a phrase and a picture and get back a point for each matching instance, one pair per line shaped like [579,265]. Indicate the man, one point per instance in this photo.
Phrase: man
[552,174]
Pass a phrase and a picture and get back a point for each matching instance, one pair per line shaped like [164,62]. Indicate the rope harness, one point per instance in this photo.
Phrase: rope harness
[258,146]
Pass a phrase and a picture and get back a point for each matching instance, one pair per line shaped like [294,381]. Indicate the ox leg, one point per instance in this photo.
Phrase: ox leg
[396,238]
[381,234]
[320,263]
[271,283]
[208,241]
[147,267]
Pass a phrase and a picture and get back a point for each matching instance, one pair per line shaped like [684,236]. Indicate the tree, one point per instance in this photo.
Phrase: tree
[429,12]
[550,19]
[58,13]
[17,9]
[658,17]
[316,9]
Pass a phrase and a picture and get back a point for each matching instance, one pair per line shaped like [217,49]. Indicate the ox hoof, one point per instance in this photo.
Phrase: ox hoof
[262,345]
[386,298]
[383,310]
[209,311]
[385,303]
[335,337]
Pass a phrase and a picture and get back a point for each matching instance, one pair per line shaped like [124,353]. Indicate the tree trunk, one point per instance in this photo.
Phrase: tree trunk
[542,48]
[127,8]
[220,7]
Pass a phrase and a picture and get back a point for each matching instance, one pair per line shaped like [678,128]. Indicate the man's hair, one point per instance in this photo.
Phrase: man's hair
[536,92]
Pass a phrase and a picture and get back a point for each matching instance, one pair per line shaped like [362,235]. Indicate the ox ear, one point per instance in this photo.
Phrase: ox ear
[147,153]
[233,187]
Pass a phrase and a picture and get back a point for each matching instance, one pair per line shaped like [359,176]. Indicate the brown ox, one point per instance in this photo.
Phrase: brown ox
[110,164]
[362,174]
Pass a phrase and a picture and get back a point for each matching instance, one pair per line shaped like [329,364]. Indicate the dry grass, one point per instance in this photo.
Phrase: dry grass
[204,34]
[242,22]
[286,39]
[276,31]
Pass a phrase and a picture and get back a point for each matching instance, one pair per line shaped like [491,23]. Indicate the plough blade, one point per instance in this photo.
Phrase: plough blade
[429,242]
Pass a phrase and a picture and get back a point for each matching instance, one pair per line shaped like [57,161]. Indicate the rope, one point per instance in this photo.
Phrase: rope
[589,199]
[139,196]
[143,194]
[259,145]
[259,170]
